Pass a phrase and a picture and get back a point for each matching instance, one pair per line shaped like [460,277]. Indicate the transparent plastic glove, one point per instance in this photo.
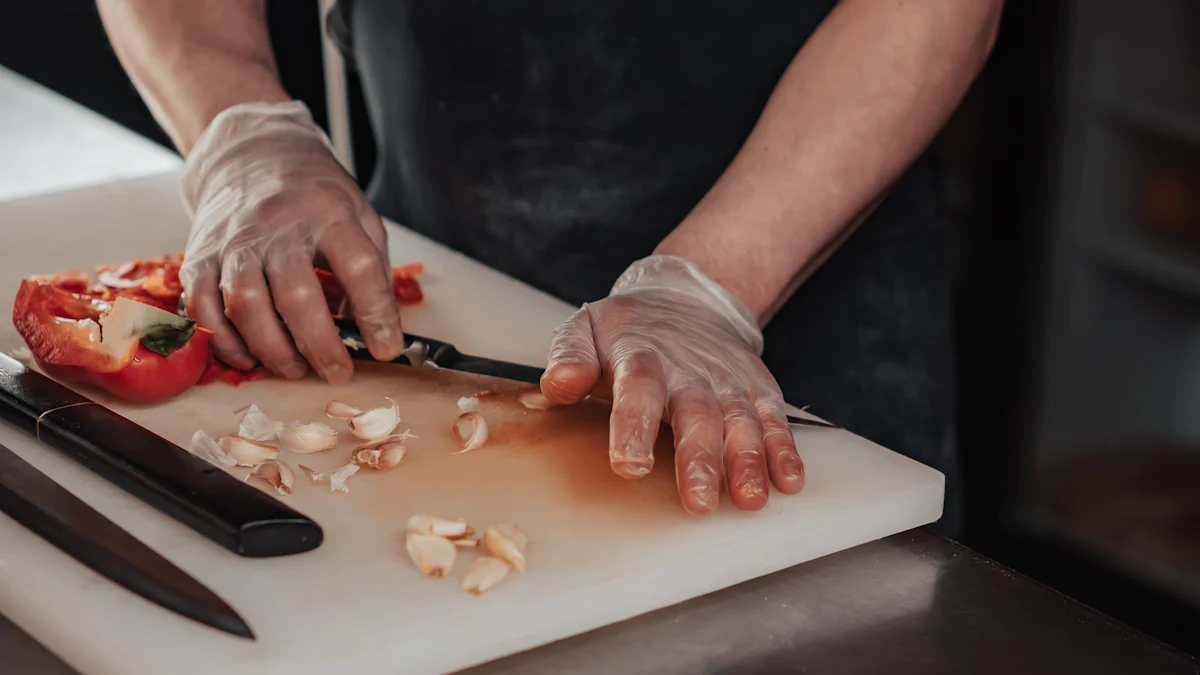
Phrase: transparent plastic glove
[670,343]
[267,200]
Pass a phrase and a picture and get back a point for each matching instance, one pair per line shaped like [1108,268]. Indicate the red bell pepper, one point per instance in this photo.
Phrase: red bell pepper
[86,332]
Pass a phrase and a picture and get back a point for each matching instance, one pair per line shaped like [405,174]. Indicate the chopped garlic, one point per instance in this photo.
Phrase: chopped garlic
[376,423]
[484,573]
[441,527]
[506,541]
[341,411]
[307,438]
[433,555]
[276,474]
[246,452]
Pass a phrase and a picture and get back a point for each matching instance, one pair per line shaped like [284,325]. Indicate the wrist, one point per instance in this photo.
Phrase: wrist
[674,275]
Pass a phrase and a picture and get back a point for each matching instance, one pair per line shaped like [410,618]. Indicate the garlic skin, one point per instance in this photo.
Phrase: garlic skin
[339,476]
[207,449]
[483,574]
[534,400]
[506,541]
[255,425]
[434,556]
[468,404]
[276,474]
[307,438]
[312,475]
[471,430]
[341,411]
[246,452]
[376,423]
[441,527]
[352,343]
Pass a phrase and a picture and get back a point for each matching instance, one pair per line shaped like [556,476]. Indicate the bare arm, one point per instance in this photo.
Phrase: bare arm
[858,104]
[191,59]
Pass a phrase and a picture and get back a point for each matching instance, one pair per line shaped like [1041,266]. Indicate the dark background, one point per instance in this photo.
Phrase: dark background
[1006,158]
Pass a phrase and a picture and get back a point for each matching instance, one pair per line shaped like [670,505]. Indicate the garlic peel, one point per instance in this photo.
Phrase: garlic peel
[207,449]
[341,411]
[246,452]
[307,438]
[313,475]
[472,431]
[255,425]
[339,476]
[434,556]
[506,541]
[276,474]
[483,574]
[441,527]
[376,423]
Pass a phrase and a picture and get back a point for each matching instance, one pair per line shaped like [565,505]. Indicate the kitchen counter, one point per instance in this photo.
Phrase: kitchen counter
[911,603]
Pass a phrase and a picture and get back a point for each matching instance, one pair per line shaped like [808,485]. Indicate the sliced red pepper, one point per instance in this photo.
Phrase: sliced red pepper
[58,319]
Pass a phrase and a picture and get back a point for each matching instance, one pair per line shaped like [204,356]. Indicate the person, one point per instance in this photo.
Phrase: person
[686,173]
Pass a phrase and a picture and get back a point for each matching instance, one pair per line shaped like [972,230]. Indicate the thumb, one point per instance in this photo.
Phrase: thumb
[574,367]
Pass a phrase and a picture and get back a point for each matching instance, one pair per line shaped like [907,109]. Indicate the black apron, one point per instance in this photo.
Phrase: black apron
[559,141]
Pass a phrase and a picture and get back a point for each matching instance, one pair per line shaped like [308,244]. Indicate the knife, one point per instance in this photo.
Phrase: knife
[61,518]
[235,515]
[445,355]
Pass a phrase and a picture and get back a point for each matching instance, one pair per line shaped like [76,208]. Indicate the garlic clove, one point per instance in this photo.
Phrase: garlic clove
[255,425]
[341,411]
[339,476]
[246,452]
[383,454]
[466,543]
[391,456]
[276,474]
[375,423]
[433,555]
[207,449]
[506,541]
[472,431]
[307,438]
[484,573]
[441,527]
[468,404]
[534,400]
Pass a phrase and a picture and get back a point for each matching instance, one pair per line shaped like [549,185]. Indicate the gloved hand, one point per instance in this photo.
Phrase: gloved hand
[670,343]
[267,200]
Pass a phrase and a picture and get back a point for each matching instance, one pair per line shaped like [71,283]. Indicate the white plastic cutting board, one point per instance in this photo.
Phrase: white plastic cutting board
[601,549]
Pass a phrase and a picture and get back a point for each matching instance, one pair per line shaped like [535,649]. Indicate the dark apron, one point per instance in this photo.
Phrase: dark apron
[559,141]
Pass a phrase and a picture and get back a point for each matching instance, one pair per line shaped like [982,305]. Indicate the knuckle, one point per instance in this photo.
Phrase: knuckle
[297,297]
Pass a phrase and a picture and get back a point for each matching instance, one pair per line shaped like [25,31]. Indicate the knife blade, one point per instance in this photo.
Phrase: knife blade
[445,355]
[45,507]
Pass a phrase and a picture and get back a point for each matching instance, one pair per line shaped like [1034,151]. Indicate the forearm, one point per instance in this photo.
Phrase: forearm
[191,59]
[861,100]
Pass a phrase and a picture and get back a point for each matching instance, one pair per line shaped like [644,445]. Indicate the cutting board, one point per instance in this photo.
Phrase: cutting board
[601,549]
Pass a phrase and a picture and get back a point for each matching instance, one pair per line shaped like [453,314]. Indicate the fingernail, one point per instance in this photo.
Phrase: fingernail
[705,497]
[390,339]
[631,468]
[336,373]
[294,370]
[792,468]
[751,489]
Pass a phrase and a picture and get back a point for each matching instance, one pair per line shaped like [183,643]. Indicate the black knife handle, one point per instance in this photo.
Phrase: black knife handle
[237,516]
